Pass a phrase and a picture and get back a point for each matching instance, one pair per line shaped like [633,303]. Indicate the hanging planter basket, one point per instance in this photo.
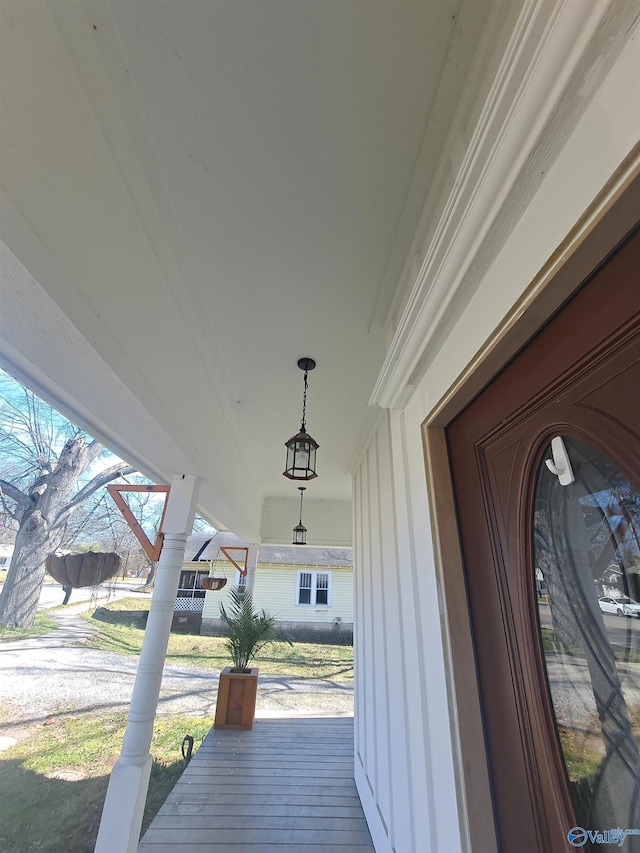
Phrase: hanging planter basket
[213,583]
[89,569]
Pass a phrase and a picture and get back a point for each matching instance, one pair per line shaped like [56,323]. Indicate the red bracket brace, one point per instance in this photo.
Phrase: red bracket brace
[152,551]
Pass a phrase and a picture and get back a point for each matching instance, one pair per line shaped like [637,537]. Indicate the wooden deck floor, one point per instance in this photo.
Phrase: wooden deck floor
[287,785]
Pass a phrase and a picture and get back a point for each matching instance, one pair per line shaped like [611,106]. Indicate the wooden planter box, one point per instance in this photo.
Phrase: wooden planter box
[236,705]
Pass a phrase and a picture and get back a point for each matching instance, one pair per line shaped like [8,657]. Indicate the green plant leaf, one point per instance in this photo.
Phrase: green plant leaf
[249,630]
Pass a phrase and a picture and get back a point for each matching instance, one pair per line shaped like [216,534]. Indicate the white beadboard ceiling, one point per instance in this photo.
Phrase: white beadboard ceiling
[196,194]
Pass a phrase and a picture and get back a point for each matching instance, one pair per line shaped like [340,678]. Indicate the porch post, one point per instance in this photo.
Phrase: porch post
[124,804]
[252,559]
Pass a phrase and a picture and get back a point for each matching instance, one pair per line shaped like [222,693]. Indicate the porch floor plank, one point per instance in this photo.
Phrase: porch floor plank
[287,785]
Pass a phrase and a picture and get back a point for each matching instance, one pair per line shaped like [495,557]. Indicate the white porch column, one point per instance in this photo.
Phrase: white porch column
[252,559]
[124,804]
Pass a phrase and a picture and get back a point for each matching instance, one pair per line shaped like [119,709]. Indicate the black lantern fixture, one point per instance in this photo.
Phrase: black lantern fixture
[301,448]
[300,531]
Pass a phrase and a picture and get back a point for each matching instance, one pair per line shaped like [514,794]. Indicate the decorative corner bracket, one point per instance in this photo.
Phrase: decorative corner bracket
[241,567]
[152,551]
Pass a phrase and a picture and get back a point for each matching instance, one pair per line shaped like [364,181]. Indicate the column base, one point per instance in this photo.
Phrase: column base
[123,808]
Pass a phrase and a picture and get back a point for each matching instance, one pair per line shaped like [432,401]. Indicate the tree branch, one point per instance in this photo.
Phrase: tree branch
[13,492]
[101,479]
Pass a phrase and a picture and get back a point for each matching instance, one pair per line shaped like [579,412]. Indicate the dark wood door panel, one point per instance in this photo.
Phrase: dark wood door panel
[608,301]
[581,376]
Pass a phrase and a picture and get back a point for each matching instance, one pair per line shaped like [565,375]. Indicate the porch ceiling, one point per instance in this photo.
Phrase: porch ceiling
[196,194]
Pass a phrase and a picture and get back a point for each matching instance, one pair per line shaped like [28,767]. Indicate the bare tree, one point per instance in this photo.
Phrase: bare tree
[45,461]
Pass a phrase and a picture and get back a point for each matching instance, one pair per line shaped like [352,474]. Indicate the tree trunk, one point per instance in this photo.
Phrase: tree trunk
[42,524]
[21,592]
[151,577]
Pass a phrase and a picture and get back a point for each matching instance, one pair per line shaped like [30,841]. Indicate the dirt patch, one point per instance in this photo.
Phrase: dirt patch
[128,618]
[66,774]
[14,729]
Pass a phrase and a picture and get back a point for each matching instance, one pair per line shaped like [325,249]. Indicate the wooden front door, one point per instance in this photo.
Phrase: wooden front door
[559,675]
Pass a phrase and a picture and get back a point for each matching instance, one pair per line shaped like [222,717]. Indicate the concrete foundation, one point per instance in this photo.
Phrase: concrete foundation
[303,632]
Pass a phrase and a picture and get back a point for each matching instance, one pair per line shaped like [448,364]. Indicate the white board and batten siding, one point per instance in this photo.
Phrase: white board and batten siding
[403,761]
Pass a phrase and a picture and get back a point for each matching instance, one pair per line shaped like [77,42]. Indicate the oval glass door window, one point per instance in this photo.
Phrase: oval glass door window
[586,553]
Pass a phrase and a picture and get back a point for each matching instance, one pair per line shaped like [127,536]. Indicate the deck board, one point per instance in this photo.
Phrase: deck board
[287,785]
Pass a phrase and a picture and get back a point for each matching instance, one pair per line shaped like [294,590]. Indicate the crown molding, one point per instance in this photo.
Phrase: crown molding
[547,46]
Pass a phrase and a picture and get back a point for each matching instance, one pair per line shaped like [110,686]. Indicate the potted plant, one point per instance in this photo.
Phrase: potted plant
[249,630]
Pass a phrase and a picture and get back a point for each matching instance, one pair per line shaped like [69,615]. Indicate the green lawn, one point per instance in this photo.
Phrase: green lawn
[42,625]
[3,577]
[53,783]
[120,627]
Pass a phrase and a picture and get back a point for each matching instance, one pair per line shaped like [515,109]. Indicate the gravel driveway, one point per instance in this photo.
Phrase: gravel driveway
[57,672]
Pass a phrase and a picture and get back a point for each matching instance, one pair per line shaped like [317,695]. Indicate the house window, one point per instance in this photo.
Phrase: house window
[314,588]
[304,587]
[241,582]
[189,586]
[322,588]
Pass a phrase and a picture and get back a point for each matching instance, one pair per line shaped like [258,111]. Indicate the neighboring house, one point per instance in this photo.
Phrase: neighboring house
[308,589]
[610,582]
[614,582]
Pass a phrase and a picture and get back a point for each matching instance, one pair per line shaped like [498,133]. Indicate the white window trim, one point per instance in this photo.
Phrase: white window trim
[314,588]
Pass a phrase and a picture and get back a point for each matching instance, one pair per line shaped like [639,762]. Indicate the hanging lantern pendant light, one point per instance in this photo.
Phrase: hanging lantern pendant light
[301,448]
[300,531]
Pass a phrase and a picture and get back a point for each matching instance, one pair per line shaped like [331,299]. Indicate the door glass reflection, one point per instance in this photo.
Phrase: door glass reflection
[586,552]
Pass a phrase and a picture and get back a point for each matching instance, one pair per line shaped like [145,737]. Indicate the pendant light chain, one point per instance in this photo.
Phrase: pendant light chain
[303,424]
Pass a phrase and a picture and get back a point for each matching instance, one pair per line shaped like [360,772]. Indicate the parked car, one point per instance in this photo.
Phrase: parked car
[623,606]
